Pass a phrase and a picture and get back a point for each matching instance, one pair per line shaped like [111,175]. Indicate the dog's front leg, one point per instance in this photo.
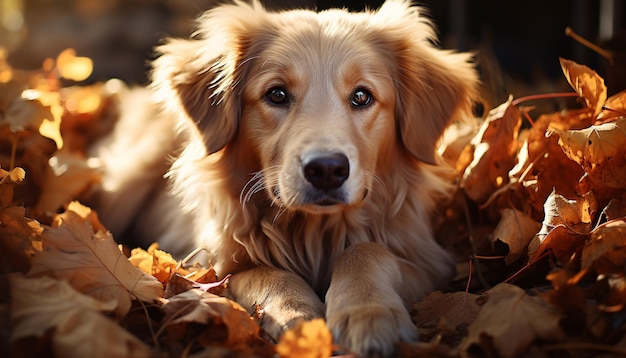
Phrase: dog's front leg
[284,297]
[365,311]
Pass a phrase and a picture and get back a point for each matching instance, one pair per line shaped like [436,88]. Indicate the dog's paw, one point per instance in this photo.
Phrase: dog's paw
[372,330]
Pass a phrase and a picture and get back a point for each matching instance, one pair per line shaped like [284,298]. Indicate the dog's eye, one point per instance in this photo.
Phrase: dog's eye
[277,95]
[361,98]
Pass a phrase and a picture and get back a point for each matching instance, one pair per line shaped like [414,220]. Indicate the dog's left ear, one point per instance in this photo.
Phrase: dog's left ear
[436,87]
[433,86]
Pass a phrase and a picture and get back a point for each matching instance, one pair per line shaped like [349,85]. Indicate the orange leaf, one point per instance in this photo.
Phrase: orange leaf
[309,339]
[600,150]
[566,225]
[605,252]
[495,145]
[587,83]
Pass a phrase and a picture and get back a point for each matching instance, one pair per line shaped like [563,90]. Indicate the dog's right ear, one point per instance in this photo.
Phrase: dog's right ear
[200,77]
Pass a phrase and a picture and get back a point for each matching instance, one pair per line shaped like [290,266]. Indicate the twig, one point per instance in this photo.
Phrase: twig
[583,41]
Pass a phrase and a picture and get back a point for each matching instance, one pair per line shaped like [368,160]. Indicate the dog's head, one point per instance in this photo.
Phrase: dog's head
[324,103]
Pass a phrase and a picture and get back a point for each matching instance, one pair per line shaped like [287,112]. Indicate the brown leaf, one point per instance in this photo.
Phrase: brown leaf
[19,239]
[456,308]
[78,327]
[92,264]
[511,320]
[600,150]
[565,226]
[605,252]
[515,229]
[309,339]
[494,148]
[586,82]
[231,322]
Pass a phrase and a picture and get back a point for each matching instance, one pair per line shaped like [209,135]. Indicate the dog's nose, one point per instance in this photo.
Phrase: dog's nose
[327,171]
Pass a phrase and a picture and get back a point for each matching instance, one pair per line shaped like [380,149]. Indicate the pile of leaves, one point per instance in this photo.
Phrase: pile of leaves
[540,227]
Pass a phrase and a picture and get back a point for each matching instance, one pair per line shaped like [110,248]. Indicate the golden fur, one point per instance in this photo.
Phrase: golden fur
[260,95]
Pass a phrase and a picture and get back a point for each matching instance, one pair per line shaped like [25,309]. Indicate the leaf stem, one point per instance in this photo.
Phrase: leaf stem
[533,97]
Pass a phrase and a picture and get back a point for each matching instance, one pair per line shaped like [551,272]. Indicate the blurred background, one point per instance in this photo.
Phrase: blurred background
[518,43]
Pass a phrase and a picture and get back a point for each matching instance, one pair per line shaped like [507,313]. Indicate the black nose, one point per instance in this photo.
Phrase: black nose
[327,171]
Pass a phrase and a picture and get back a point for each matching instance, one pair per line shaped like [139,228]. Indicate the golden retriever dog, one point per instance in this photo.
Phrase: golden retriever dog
[304,162]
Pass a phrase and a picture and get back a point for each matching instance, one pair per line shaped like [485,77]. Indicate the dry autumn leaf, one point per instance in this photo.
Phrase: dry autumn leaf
[605,251]
[511,320]
[586,82]
[92,264]
[565,227]
[154,262]
[600,150]
[201,307]
[494,148]
[308,339]
[455,308]
[613,108]
[44,305]
[515,229]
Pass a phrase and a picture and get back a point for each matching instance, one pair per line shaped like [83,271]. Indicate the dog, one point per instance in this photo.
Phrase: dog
[304,161]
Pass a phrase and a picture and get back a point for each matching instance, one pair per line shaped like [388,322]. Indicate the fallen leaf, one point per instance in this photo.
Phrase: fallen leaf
[600,150]
[42,305]
[92,264]
[308,339]
[515,229]
[566,225]
[511,320]
[494,148]
[605,252]
[19,239]
[586,82]
[613,108]
[233,324]
[456,308]
[154,262]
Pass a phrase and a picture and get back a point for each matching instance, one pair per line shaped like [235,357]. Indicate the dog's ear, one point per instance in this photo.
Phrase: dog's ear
[200,78]
[433,85]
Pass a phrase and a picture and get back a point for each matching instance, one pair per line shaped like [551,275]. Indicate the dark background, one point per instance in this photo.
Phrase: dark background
[518,42]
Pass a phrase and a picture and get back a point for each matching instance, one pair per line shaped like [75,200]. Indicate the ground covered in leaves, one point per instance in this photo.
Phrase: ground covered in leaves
[538,226]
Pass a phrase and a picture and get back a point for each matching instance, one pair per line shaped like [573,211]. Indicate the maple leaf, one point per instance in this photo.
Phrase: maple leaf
[206,308]
[515,229]
[308,339]
[600,150]
[92,263]
[494,148]
[605,251]
[586,82]
[42,305]
[565,226]
[511,320]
